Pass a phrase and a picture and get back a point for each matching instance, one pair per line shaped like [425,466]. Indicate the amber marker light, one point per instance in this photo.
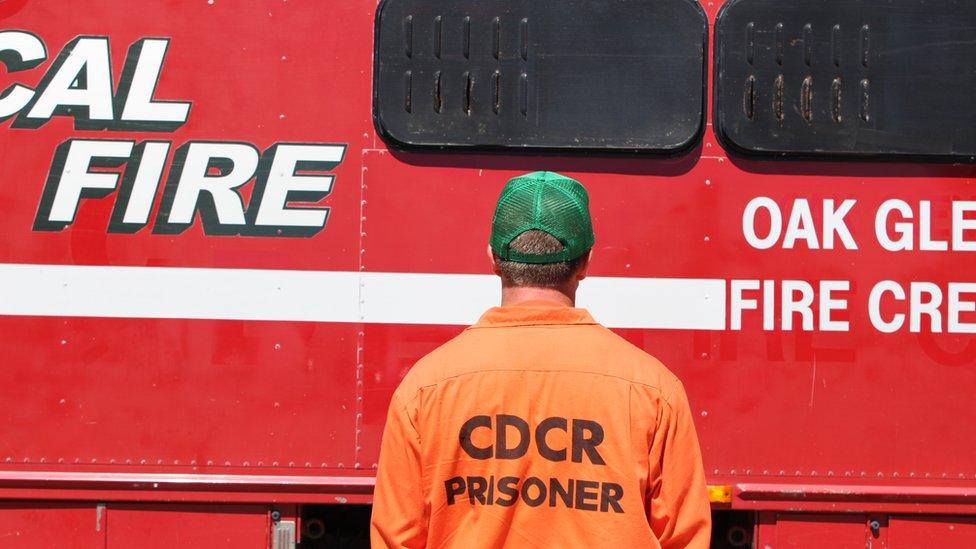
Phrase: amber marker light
[719,493]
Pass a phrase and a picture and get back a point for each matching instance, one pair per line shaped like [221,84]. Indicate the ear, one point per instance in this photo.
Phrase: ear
[584,266]
[493,259]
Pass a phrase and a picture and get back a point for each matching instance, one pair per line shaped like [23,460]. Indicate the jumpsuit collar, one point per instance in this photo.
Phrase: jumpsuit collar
[536,312]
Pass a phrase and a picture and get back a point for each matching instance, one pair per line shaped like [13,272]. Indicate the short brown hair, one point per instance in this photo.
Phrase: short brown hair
[538,275]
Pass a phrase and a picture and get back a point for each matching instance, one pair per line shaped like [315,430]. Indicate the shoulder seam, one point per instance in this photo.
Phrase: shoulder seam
[665,397]
[395,400]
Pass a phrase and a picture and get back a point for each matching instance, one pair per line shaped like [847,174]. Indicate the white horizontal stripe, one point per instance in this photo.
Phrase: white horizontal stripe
[334,296]
[661,303]
[157,292]
[409,298]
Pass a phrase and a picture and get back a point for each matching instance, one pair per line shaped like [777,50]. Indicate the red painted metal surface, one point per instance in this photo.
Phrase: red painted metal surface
[813,531]
[158,395]
[36,524]
[87,525]
[942,531]
[197,526]
[244,411]
[798,530]
[844,497]
[231,488]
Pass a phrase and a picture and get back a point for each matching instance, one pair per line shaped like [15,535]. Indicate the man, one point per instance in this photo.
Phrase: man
[537,427]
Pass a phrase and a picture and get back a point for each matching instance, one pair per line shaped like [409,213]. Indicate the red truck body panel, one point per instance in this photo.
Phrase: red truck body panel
[254,404]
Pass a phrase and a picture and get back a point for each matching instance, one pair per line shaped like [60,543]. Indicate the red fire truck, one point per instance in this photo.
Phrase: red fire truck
[231,228]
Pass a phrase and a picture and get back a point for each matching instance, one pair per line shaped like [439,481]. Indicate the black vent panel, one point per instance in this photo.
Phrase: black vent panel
[606,75]
[861,78]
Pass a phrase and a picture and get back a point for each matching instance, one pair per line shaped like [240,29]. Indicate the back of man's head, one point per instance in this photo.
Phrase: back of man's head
[538,275]
[541,233]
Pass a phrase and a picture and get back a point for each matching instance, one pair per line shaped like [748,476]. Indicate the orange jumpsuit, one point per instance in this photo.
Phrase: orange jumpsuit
[537,427]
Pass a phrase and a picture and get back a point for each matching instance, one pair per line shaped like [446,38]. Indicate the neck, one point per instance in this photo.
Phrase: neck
[516,294]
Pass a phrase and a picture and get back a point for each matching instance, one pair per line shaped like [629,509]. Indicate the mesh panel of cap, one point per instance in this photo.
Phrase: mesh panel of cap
[548,202]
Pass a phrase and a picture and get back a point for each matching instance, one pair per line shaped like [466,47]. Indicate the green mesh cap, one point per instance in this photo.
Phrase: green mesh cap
[548,202]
